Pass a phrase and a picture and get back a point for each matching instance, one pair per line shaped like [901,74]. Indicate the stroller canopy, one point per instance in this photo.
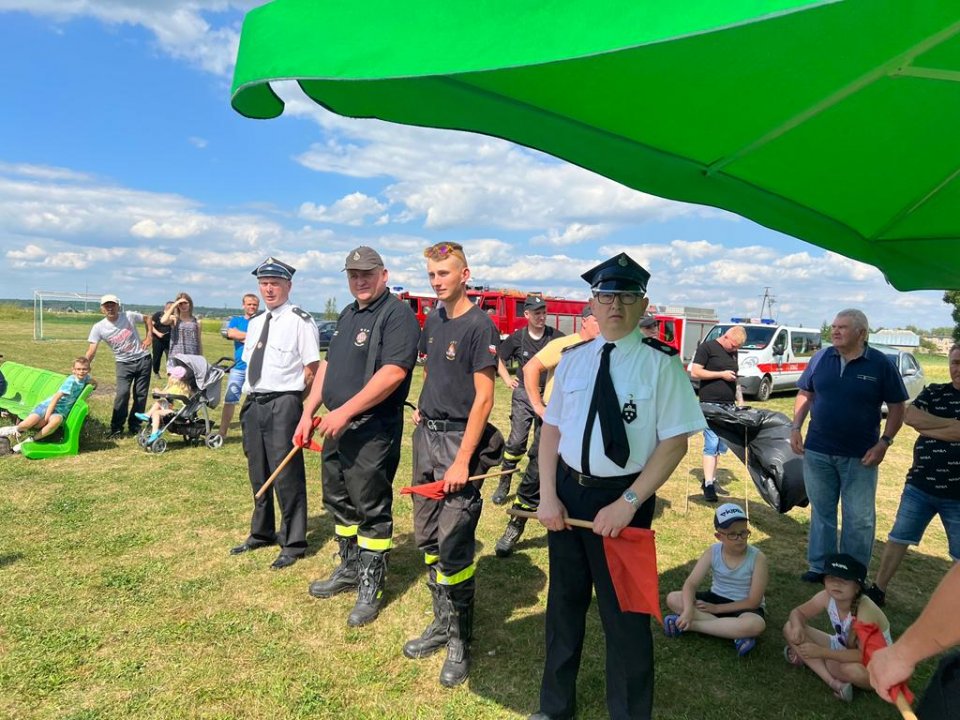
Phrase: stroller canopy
[206,377]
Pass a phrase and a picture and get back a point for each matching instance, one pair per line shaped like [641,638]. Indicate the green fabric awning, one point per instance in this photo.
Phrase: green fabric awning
[833,121]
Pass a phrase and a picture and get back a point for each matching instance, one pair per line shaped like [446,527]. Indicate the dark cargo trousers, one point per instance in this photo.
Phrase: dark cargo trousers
[358,472]
[521,418]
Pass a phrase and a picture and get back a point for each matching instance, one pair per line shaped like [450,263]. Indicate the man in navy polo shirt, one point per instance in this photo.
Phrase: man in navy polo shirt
[843,388]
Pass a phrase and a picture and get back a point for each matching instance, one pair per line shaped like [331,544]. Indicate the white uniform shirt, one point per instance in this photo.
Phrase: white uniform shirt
[654,381]
[293,343]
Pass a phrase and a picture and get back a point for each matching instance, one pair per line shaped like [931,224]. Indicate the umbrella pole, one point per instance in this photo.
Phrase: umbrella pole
[686,493]
[746,480]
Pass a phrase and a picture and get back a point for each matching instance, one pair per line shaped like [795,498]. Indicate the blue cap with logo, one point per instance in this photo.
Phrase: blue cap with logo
[620,273]
[271,267]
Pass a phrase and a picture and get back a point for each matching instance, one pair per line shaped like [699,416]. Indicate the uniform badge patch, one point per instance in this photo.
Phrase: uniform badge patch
[452,350]
[492,349]
[629,412]
[361,338]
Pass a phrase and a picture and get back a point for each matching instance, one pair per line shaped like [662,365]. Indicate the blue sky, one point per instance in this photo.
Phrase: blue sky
[123,169]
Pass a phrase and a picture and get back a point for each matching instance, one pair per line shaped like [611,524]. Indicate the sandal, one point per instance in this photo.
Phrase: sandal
[791,657]
[843,692]
[670,628]
[744,645]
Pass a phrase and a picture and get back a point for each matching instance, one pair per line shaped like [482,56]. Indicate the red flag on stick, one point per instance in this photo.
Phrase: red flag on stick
[431,491]
[632,562]
[872,639]
[311,444]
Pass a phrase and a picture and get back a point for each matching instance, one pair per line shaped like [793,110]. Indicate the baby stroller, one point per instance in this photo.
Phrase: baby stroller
[192,420]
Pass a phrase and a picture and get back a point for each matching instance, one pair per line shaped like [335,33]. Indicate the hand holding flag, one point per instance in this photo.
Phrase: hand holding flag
[435,490]
[872,640]
[309,442]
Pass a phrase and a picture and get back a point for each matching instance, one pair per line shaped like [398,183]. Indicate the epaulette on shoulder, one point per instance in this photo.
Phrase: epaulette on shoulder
[660,345]
[568,348]
[302,313]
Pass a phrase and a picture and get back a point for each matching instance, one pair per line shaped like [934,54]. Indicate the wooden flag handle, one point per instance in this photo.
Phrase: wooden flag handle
[903,705]
[273,476]
[495,473]
[516,512]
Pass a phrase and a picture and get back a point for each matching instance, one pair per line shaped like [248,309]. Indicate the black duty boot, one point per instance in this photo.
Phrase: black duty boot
[503,488]
[345,577]
[512,533]
[434,638]
[456,666]
[373,571]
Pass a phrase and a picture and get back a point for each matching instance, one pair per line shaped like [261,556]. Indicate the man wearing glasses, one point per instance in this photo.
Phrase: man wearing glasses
[616,427]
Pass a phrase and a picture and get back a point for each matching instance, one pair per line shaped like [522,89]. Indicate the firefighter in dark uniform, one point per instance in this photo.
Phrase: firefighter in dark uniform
[363,383]
[521,346]
[451,442]
[615,429]
[282,352]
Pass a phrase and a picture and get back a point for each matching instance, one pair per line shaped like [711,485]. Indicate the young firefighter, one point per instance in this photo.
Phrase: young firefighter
[451,442]
[733,608]
[835,656]
[49,414]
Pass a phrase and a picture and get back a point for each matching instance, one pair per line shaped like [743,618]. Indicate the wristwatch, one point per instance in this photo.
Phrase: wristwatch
[887,439]
[631,497]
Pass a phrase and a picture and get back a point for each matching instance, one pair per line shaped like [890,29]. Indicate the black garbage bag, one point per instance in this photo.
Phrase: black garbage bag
[776,470]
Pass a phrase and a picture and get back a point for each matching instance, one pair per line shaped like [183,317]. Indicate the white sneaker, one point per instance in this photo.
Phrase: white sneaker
[9,430]
[19,446]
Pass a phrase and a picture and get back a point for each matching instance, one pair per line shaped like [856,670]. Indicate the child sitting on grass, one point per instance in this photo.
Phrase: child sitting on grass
[733,608]
[835,656]
[49,414]
[176,385]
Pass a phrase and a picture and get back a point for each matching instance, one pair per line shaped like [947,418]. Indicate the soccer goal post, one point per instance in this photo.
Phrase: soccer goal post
[63,315]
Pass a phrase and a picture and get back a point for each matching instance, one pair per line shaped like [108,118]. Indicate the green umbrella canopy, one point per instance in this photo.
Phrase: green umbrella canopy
[836,122]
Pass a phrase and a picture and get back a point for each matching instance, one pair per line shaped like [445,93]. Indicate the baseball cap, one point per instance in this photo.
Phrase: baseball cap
[846,567]
[109,299]
[363,258]
[534,302]
[727,514]
[648,321]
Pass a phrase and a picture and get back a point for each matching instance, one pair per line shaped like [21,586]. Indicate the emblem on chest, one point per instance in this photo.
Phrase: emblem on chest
[451,353]
[361,338]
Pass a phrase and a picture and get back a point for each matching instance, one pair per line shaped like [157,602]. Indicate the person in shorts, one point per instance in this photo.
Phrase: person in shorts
[933,481]
[733,607]
[49,414]
[237,331]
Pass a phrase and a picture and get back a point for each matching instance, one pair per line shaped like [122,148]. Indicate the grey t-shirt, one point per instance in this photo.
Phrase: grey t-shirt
[122,336]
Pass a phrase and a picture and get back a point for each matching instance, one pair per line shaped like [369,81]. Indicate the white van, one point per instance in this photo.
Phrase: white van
[773,356]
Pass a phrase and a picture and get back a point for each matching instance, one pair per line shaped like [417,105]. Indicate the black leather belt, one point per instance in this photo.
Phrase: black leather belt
[265,397]
[617,482]
[443,425]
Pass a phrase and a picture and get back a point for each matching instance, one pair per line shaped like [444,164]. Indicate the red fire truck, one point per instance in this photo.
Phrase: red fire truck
[505,308]
[683,327]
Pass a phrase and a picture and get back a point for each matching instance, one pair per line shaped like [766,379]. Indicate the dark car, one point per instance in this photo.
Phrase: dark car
[326,328]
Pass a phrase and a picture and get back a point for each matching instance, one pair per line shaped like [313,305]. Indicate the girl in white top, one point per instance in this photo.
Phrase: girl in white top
[835,656]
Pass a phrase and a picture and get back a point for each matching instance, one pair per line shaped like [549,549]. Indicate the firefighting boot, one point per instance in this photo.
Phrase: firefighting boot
[434,638]
[503,488]
[512,533]
[345,577]
[373,571]
[456,666]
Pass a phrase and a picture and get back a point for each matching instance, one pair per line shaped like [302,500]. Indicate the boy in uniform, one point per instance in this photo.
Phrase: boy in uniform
[452,441]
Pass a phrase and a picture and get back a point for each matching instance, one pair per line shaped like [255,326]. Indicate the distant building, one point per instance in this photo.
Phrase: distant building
[943,345]
[900,339]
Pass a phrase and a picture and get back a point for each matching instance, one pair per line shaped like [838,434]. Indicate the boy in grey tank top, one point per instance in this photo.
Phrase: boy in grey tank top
[733,608]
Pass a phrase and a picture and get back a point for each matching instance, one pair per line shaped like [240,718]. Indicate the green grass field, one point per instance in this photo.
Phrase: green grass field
[119,598]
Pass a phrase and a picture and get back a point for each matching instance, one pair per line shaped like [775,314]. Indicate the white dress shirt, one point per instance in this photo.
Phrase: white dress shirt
[292,344]
[654,381]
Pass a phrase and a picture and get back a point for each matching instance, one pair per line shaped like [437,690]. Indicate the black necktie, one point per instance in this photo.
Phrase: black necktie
[255,366]
[605,404]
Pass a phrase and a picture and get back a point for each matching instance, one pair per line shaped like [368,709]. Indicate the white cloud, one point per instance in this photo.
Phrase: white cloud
[572,234]
[349,210]
[198,142]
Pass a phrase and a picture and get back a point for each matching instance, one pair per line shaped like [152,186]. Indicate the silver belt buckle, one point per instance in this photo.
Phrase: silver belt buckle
[432,425]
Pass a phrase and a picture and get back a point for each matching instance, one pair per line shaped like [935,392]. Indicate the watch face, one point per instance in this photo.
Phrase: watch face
[631,497]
